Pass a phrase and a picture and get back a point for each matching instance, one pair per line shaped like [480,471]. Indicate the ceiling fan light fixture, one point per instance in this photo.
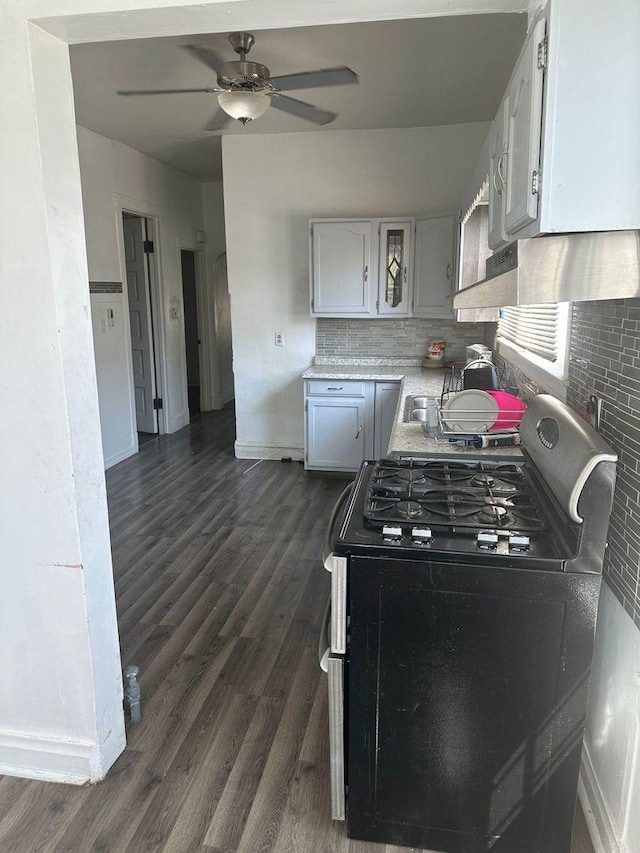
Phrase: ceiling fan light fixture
[244,106]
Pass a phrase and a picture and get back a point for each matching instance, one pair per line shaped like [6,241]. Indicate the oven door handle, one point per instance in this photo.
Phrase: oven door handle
[327,553]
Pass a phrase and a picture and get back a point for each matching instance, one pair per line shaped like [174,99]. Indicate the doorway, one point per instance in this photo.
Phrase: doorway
[138,246]
[191,329]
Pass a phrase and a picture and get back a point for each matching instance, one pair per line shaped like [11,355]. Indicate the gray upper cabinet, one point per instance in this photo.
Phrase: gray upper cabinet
[435,266]
[498,136]
[561,154]
[395,262]
[523,109]
[342,268]
[395,267]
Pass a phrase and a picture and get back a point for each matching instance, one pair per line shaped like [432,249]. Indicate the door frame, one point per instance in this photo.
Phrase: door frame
[206,332]
[152,213]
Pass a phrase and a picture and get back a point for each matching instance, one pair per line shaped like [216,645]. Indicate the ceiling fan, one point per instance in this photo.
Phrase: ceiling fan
[246,89]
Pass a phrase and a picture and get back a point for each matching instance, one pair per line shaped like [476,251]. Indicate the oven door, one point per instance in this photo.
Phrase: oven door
[334,665]
[337,566]
[331,648]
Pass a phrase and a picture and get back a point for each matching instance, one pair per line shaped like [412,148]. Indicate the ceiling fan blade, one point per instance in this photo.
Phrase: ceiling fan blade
[302,109]
[313,79]
[161,91]
[218,121]
[205,54]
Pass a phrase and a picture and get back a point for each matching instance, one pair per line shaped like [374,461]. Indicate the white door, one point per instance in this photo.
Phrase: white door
[140,321]
[335,434]
[497,165]
[394,268]
[386,404]
[434,266]
[524,132]
[342,276]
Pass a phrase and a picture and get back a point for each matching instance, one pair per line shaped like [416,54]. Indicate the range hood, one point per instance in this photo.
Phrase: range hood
[559,268]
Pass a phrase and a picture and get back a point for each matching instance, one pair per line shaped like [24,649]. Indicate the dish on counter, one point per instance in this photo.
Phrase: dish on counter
[472,411]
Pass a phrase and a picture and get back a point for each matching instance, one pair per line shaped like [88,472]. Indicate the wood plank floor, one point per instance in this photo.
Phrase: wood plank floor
[220,596]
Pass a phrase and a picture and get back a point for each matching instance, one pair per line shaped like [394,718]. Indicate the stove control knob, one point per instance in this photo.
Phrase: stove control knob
[519,543]
[487,541]
[391,534]
[421,535]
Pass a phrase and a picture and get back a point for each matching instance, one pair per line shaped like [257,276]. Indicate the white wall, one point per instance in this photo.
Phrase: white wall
[111,169]
[60,680]
[610,779]
[272,186]
[218,295]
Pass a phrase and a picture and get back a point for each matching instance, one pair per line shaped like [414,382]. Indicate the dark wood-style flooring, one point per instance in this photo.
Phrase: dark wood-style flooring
[220,595]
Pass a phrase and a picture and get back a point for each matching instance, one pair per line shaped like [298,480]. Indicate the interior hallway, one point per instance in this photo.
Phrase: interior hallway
[220,594]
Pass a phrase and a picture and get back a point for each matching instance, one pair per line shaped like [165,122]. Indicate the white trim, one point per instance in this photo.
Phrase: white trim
[205,331]
[252,450]
[176,422]
[50,759]
[597,815]
[152,213]
[112,460]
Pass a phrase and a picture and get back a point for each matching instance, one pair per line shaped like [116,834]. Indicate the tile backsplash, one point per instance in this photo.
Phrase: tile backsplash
[397,338]
[605,360]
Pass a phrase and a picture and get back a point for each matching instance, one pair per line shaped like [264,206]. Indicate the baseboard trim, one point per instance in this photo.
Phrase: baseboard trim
[177,421]
[248,450]
[110,461]
[49,759]
[594,805]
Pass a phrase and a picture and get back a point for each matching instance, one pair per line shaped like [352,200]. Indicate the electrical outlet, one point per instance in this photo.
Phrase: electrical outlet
[594,411]
[279,339]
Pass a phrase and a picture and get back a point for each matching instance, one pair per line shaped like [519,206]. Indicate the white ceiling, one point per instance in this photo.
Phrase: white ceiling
[413,73]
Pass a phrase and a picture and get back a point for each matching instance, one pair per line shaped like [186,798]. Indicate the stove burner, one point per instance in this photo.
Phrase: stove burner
[404,475]
[408,509]
[495,514]
[482,479]
[445,472]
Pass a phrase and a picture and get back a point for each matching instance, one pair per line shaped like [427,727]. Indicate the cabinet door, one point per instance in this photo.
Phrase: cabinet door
[497,156]
[434,266]
[394,268]
[386,403]
[341,269]
[524,132]
[335,433]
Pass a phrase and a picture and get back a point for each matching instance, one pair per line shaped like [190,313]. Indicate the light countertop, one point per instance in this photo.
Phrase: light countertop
[408,439]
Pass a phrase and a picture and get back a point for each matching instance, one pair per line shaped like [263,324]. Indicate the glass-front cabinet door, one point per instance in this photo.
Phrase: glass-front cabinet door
[395,268]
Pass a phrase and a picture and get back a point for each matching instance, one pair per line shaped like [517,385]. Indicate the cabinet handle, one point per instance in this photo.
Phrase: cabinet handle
[495,185]
[334,388]
[405,275]
[365,274]
[359,431]
[499,168]
[448,271]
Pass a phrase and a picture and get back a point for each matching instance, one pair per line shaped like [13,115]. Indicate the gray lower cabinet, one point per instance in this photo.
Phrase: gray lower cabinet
[347,421]
[386,401]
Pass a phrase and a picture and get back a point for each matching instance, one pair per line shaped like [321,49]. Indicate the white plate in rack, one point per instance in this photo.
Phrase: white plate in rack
[471,411]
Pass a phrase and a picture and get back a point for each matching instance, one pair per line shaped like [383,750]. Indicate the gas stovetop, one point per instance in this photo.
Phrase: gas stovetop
[478,506]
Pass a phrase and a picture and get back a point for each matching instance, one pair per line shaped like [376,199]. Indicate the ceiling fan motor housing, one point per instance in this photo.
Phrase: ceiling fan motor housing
[245,75]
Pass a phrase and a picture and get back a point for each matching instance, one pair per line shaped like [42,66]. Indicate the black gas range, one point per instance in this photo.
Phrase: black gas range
[460,635]
[477,508]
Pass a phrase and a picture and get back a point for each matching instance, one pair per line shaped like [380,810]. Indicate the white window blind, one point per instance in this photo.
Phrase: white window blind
[535,328]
